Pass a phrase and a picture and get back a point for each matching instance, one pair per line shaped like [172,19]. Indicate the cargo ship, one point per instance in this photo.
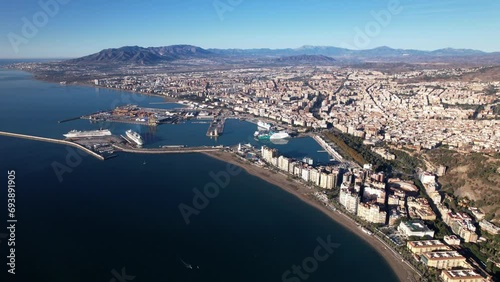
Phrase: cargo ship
[134,136]
[86,134]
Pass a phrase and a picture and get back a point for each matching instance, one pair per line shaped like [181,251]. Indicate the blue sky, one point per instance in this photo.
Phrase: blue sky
[79,27]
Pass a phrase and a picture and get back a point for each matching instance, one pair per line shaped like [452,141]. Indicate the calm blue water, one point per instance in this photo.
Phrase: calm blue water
[124,212]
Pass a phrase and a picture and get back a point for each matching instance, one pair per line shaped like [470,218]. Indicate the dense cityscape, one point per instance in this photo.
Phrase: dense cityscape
[395,115]
[390,109]
[243,141]
[364,103]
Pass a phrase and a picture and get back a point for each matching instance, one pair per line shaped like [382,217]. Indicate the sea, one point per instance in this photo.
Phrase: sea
[124,219]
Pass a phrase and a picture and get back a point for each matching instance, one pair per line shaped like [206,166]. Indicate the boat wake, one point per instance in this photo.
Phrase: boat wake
[187,265]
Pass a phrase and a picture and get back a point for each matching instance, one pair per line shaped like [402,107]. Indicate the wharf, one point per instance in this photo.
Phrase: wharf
[137,115]
[166,150]
[216,127]
[328,148]
[107,145]
[68,119]
[173,146]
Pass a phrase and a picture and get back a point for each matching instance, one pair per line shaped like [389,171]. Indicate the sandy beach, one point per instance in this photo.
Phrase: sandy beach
[403,271]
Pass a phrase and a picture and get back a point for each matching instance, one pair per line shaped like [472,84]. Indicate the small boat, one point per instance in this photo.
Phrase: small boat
[186,265]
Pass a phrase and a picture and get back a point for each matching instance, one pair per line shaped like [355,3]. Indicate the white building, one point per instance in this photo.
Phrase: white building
[350,200]
[415,228]
[315,176]
[371,212]
[328,181]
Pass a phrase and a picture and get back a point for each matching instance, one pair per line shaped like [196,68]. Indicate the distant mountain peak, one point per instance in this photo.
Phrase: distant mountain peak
[143,56]
[383,48]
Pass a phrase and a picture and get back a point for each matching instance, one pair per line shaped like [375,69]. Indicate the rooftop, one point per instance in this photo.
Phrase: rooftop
[426,243]
[416,225]
[462,273]
[443,255]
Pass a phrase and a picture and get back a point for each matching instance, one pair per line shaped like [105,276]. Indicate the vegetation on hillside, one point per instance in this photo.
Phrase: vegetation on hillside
[472,174]
[353,148]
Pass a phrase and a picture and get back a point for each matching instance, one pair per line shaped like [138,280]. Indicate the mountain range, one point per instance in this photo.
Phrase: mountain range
[144,56]
[305,54]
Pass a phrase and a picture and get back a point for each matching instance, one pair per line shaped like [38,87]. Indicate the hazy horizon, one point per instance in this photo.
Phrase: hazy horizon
[208,48]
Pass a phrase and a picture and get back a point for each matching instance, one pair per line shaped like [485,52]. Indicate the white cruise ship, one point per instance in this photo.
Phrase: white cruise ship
[134,136]
[263,125]
[86,134]
[279,135]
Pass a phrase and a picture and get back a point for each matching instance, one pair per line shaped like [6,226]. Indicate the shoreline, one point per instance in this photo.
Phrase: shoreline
[399,267]
[37,77]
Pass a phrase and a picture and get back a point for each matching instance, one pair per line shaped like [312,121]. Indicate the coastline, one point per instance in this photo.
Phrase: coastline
[37,77]
[399,267]
[167,98]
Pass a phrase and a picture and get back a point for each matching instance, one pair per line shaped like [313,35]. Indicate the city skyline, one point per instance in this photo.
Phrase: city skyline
[46,29]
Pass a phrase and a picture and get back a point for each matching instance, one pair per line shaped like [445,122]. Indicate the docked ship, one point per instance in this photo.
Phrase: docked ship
[261,135]
[279,135]
[87,134]
[263,125]
[279,141]
[134,136]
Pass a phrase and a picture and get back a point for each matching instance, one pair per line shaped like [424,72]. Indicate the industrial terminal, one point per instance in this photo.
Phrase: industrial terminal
[134,114]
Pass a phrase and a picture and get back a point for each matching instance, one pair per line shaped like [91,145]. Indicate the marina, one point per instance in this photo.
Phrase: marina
[133,114]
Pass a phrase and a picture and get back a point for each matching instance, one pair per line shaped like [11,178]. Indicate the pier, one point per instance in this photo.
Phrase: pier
[167,150]
[174,149]
[216,127]
[173,146]
[69,119]
[55,141]
[328,148]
